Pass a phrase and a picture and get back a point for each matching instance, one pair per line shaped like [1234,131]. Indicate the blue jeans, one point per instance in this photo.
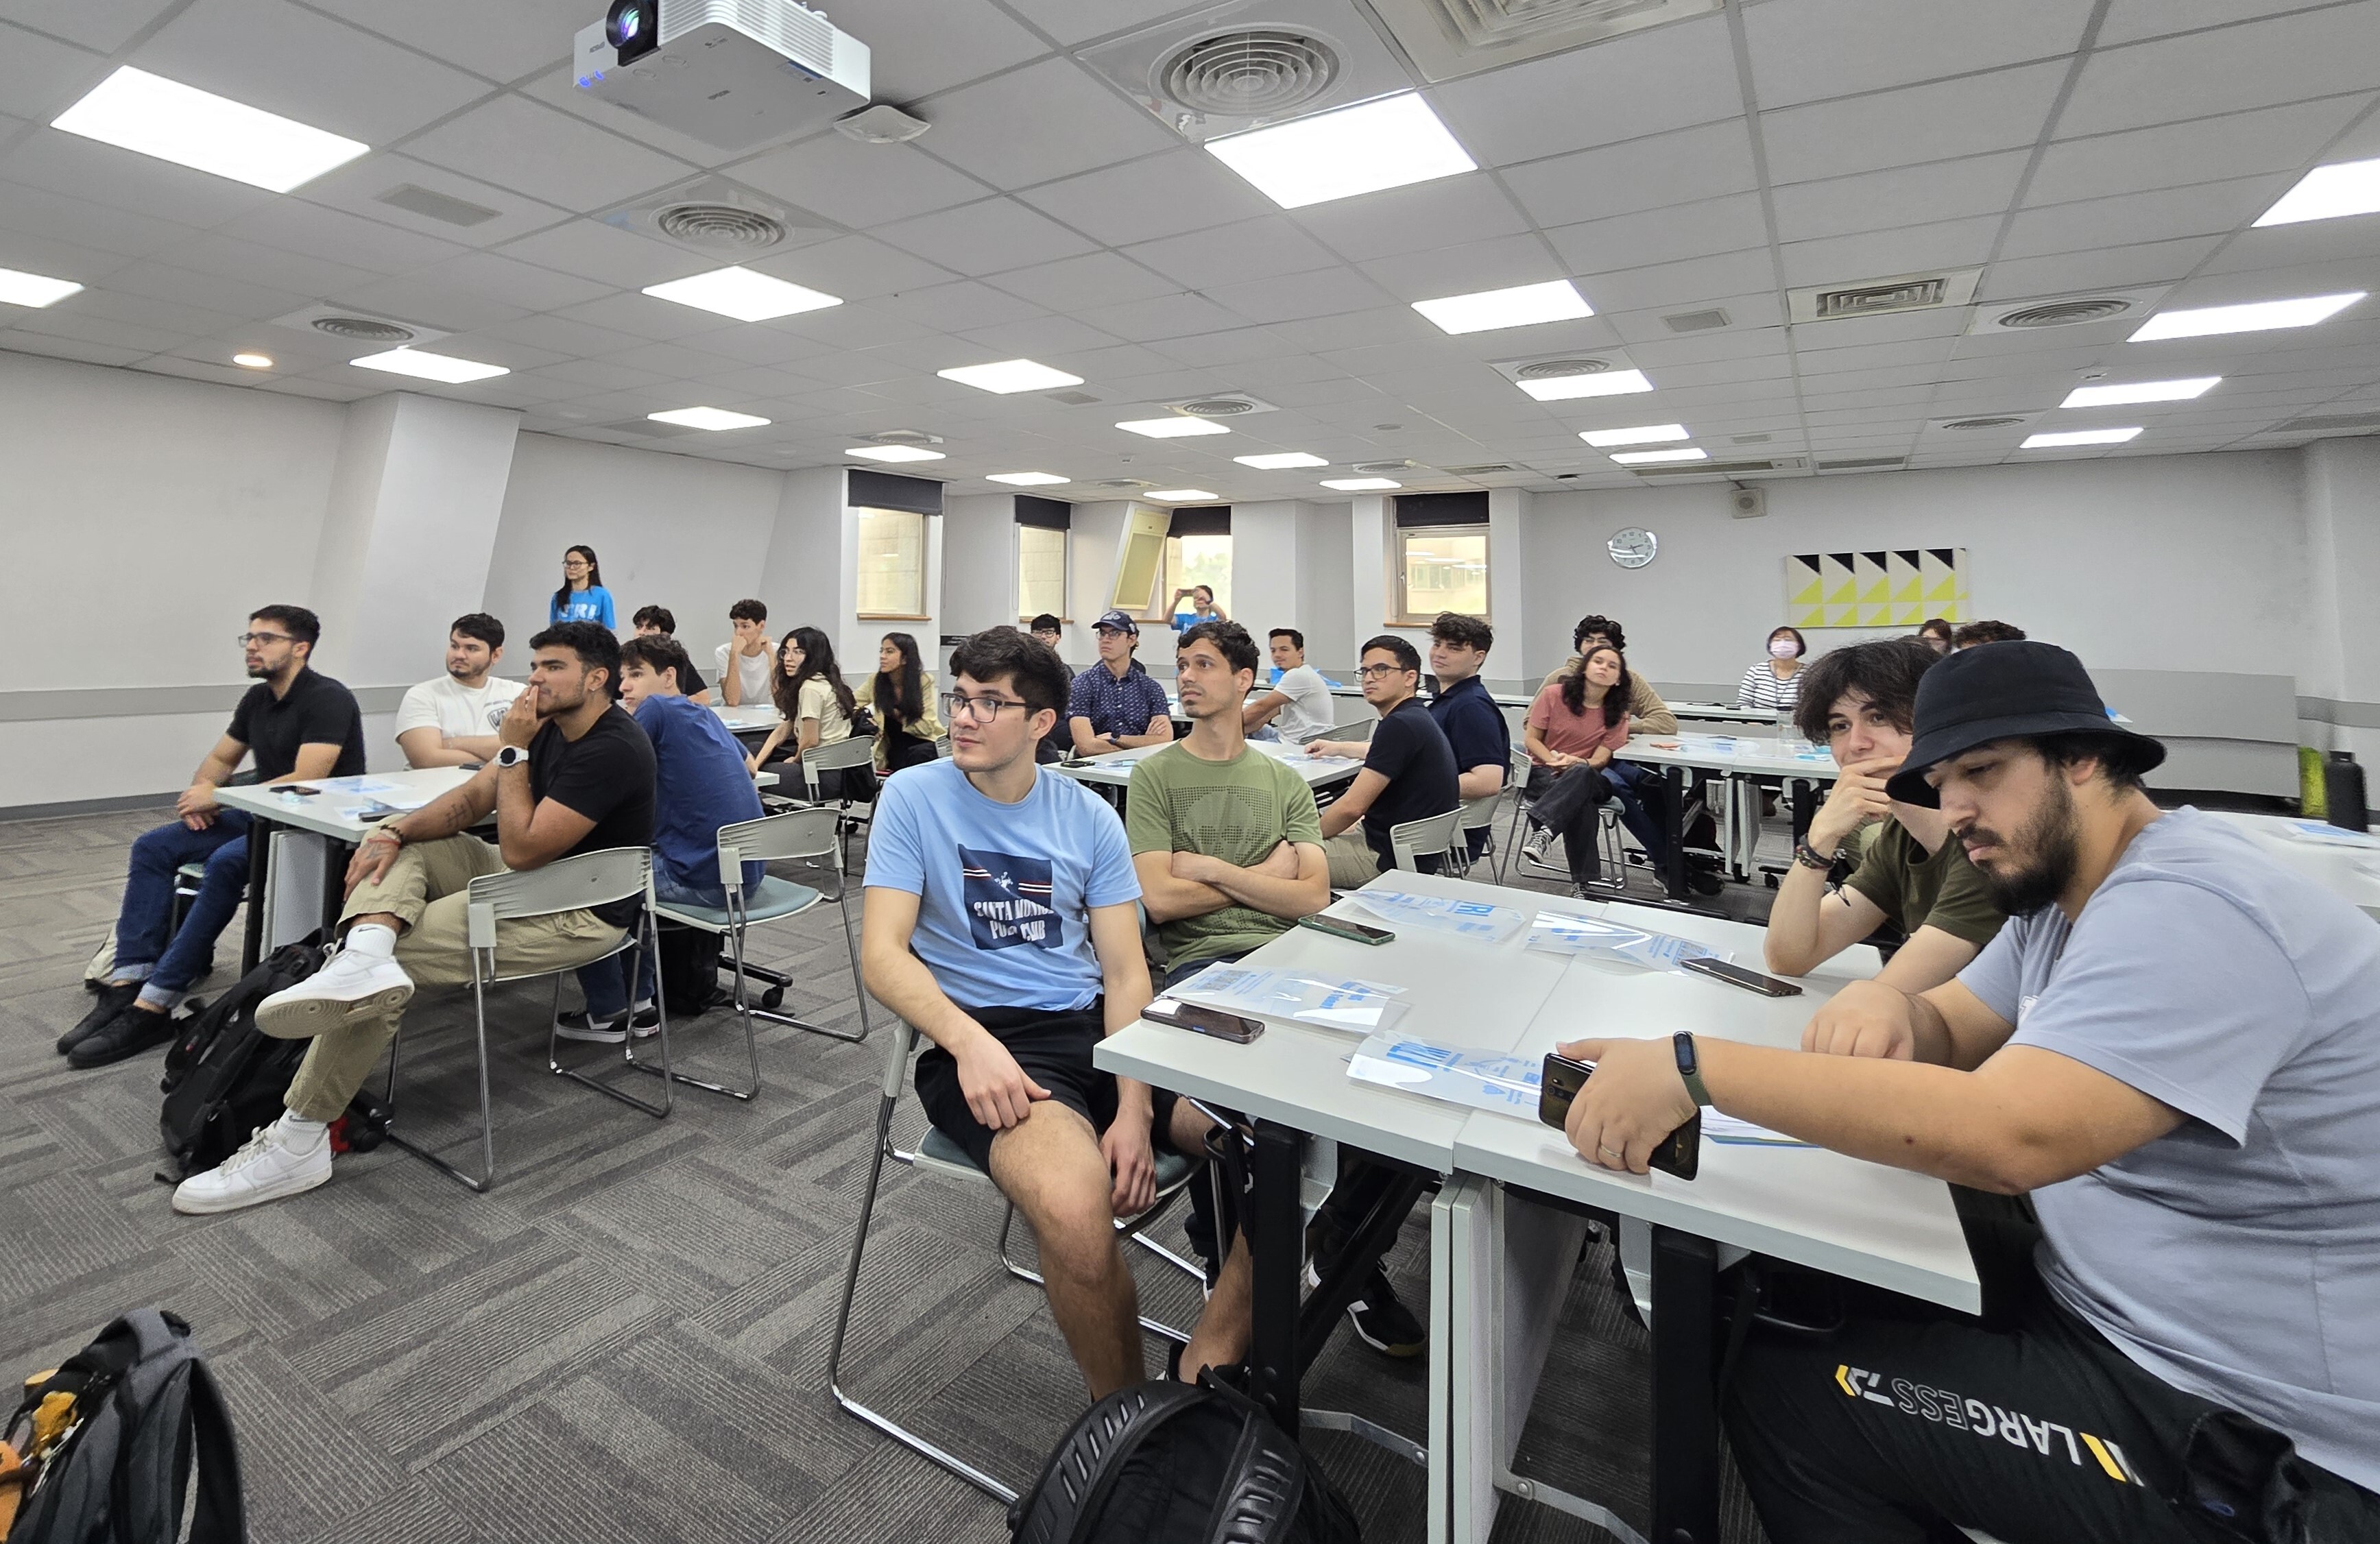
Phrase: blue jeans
[142,936]
[605,983]
[1631,786]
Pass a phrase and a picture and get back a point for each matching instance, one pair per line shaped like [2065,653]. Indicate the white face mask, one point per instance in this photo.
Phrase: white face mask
[1785,649]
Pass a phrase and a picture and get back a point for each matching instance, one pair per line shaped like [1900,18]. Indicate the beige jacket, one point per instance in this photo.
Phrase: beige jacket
[1647,714]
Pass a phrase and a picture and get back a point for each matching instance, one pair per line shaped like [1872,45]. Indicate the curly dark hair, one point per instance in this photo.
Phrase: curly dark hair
[1231,640]
[1986,632]
[1615,702]
[1885,670]
[1590,626]
[1463,632]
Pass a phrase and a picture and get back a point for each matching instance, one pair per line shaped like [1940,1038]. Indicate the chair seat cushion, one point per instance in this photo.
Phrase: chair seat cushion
[1173,1169]
[772,897]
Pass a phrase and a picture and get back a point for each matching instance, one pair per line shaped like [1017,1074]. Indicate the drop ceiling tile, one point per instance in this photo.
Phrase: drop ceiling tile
[986,238]
[41,78]
[1227,254]
[18,341]
[1691,230]
[64,320]
[1421,218]
[236,296]
[286,59]
[84,168]
[209,369]
[39,211]
[103,24]
[2165,214]
[1757,315]
[1231,350]
[1496,264]
[855,267]
[1641,83]
[594,250]
[332,236]
[919,47]
[1056,341]
[1881,254]
[641,316]
[1075,21]
[2169,155]
[1167,316]
[850,326]
[1971,115]
[444,307]
[358,188]
[256,264]
[515,283]
[858,185]
[1038,124]
[1093,279]
[1900,195]
[949,307]
[141,310]
[2314,249]
[2129,266]
[32,253]
[1829,48]
[1677,285]
[1183,191]
[2289,59]
[514,142]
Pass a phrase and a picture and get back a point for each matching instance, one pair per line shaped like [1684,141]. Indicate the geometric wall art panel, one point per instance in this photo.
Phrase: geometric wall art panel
[1897,589]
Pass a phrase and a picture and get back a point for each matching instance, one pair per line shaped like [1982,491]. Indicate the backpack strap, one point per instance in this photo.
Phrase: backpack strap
[1077,1480]
[222,1511]
[1267,1479]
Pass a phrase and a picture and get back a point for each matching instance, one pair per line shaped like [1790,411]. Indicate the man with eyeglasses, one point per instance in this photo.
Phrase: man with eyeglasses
[1409,771]
[299,726]
[999,922]
[1116,704]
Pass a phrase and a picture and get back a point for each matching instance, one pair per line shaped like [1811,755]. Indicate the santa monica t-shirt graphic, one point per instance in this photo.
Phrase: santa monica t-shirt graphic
[1008,900]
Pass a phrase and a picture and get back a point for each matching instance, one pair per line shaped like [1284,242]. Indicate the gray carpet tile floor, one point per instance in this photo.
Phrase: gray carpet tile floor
[626,1339]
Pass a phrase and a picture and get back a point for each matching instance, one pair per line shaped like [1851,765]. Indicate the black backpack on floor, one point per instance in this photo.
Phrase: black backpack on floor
[111,1438]
[1174,1463]
[223,1075]
[690,973]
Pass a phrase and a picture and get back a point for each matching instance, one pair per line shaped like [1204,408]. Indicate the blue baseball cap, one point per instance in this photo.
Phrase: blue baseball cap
[1121,622]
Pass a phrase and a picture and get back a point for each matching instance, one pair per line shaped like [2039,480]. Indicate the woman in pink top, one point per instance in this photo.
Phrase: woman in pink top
[1573,727]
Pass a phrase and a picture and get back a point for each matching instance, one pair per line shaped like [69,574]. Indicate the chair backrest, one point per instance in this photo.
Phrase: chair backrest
[943,747]
[567,884]
[1355,729]
[853,751]
[799,834]
[1479,814]
[1429,836]
[1521,765]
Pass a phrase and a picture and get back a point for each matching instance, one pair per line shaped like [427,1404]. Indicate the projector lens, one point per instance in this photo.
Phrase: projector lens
[629,27]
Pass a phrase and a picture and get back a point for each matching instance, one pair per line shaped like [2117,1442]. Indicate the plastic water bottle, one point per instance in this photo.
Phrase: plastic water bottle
[2342,787]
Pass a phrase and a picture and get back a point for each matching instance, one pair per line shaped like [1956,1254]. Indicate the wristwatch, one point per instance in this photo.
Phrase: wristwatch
[1689,1068]
[513,756]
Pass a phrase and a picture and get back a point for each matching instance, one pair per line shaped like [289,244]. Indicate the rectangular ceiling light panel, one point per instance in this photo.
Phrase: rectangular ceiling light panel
[2079,437]
[2141,391]
[36,290]
[892,453]
[1280,461]
[1651,457]
[2257,316]
[1521,306]
[1387,143]
[136,111]
[1566,388]
[1172,428]
[1026,479]
[2329,193]
[1010,375]
[1182,495]
[742,294]
[423,365]
[1360,484]
[1645,434]
[713,419]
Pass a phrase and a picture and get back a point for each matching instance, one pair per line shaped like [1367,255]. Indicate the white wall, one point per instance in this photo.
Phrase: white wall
[978,586]
[1326,613]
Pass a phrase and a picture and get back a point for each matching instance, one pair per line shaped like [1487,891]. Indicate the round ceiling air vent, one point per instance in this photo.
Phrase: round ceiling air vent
[2001,421]
[720,226]
[2065,313]
[362,329]
[1125,482]
[1380,468]
[1554,370]
[1248,74]
[903,437]
[1217,408]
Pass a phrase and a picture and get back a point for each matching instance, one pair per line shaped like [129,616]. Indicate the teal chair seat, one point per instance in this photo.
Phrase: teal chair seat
[772,898]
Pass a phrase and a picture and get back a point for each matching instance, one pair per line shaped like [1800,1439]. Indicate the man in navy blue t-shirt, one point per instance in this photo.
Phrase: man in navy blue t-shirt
[1469,717]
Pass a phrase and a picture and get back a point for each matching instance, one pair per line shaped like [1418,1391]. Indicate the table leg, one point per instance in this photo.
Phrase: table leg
[335,886]
[259,847]
[1685,1399]
[1673,869]
[1277,1250]
[1804,803]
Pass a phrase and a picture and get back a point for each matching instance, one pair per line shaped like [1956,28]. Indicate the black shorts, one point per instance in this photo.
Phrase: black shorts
[1054,1049]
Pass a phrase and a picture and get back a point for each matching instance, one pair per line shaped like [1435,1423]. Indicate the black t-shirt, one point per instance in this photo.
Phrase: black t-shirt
[690,682]
[606,775]
[1412,753]
[314,711]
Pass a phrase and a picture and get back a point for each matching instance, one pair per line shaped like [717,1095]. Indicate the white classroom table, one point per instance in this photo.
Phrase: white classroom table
[1114,770]
[1736,760]
[748,719]
[2352,872]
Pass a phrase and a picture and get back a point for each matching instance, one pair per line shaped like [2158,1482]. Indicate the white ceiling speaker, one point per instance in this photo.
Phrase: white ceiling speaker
[1885,296]
[880,123]
[1748,504]
[712,215]
[1244,64]
[2065,311]
[1449,38]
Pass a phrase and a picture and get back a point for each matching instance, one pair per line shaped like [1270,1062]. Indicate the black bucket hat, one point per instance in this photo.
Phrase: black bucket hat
[2002,691]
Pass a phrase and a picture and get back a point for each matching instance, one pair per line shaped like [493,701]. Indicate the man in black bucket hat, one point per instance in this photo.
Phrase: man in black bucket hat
[2174,1047]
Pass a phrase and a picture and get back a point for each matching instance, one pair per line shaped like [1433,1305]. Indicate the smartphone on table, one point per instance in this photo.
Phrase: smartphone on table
[1204,1020]
[1737,975]
[1341,927]
[1679,1152]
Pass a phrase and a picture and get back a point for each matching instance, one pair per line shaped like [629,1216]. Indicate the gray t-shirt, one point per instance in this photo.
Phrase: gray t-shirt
[2236,1256]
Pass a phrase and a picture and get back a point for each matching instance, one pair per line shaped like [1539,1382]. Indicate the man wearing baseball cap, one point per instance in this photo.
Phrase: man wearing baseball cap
[2174,1047]
[1116,704]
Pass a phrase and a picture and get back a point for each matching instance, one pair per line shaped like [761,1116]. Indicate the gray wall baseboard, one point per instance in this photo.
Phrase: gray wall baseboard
[89,807]
[73,702]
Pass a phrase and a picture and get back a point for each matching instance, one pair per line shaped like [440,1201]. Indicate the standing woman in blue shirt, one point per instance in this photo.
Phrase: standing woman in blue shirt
[582,597]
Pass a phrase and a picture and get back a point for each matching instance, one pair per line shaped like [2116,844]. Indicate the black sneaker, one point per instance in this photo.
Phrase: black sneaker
[112,1000]
[646,1021]
[130,1032]
[1383,1324]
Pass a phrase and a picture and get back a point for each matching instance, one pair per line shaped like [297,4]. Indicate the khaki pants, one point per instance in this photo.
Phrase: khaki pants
[424,890]
[1352,862]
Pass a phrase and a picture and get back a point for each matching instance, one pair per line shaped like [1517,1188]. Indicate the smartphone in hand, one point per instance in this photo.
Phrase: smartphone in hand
[1679,1152]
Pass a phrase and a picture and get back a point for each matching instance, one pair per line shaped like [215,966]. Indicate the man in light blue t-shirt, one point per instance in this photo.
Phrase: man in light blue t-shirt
[2174,1046]
[1001,921]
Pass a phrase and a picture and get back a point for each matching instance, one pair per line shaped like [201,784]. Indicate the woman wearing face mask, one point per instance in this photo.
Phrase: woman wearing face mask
[1775,684]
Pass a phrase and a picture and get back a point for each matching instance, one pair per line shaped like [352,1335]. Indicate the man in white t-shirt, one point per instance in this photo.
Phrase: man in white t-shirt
[1296,707]
[744,665]
[451,721]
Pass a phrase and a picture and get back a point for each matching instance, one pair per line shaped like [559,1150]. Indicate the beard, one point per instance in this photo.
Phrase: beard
[2045,855]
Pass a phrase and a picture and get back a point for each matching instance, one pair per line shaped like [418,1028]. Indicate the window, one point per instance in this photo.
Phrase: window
[1440,568]
[1193,560]
[1041,572]
[892,564]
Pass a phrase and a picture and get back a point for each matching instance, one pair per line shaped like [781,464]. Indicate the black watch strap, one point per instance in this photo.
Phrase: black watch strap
[1690,1066]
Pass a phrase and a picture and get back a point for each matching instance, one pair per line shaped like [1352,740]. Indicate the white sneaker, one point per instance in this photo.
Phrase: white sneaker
[352,986]
[265,1169]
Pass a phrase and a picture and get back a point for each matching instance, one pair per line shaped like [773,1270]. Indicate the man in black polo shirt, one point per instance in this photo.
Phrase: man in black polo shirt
[1409,771]
[574,774]
[299,726]
[1469,717]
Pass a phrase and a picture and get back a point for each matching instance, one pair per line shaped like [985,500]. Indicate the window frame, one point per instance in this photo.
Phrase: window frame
[1065,574]
[1158,608]
[1401,612]
[925,549]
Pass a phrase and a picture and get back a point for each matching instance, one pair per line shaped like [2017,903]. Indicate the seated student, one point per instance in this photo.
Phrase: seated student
[999,922]
[575,775]
[301,726]
[746,667]
[1935,633]
[1409,771]
[2172,1047]
[659,621]
[901,694]
[1047,629]
[813,705]
[1775,682]
[1116,704]
[451,722]
[1573,727]
[1985,632]
[1859,702]
[1474,725]
[1647,712]
[700,784]
[1297,705]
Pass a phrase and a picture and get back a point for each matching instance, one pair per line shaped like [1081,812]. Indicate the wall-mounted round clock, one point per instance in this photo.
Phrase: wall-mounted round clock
[1634,548]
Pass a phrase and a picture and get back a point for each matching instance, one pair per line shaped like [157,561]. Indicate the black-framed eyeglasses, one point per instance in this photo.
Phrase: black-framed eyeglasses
[258,640]
[576,563]
[1368,671]
[977,710]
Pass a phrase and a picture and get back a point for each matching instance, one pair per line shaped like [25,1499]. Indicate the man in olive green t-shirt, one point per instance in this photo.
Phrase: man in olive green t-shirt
[1225,837]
